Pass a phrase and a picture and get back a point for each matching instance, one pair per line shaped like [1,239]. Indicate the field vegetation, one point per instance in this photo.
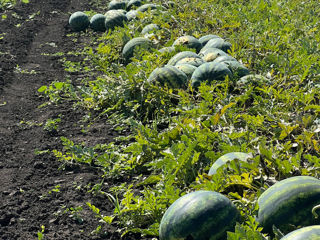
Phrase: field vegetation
[169,138]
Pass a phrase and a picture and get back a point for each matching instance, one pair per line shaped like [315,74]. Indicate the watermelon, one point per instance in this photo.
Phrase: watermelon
[210,54]
[195,61]
[218,43]
[228,158]
[169,75]
[132,14]
[188,41]
[133,4]
[208,72]
[166,49]
[200,215]
[150,28]
[188,69]
[97,22]
[224,58]
[204,39]
[117,4]
[138,42]
[148,6]
[253,79]
[115,18]
[182,55]
[79,21]
[237,69]
[306,233]
[289,202]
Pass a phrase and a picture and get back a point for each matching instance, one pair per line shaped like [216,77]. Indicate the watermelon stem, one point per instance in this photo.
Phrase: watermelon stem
[314,209]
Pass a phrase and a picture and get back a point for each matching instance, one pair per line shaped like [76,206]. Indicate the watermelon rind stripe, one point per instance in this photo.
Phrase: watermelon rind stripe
[306,233]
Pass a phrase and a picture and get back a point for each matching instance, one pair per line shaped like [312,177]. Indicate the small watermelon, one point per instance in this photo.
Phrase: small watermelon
[208,72]
[218,43]
[210,54]
[97,22]
[200,215]
[204,39]
[188,41]
[117,4]
[252,79]
[79,21]
[289,202]
[188,69]
[138,42]
[227,158]
[306,233]
[180,56]
[115,18]
[148,6]
[169,75]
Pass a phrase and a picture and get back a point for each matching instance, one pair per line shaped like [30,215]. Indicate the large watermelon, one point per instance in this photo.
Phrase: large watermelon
[210,54]
[204,39]
[115,18]
[97,22]
[218,43]
[188,41]
[228,158]
[289,202]
[306,233]
[195,61]
[188,69]
[208,72]
[238,69]
[133,4]
[200,215]
[181,55]
[117,4]
[79,21]
[133,44]
[169,75]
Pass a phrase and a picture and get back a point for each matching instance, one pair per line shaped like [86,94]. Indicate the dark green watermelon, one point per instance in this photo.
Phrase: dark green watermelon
[188,41]
[97,22]
[238,70]
[115,18]
[170,76]
[148,6]
[218,43]
[181,55]
[204,39]
[79,21]
[289,202]
[208,72]
[132,14]
[117,4]
[306,233]
[200,215]
[227,158]
[139,42]
[133,4]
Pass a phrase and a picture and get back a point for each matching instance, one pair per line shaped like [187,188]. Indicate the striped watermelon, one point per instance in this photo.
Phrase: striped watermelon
[200,215]
[204,39]
[289,202]
[188,41]
[306,233]
[133,4]
[208,72]
[210,54]
[135,43]
[117,4]
[195,61]
[169,75]
[187,69]
[238,70]
[97,22]
[79,21]
[185,54]
[218,43]
[115,18]
[228,158]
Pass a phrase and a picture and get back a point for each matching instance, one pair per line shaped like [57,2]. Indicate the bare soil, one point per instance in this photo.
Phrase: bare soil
[28,180]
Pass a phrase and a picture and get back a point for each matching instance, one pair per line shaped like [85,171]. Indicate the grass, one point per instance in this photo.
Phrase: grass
[177,134]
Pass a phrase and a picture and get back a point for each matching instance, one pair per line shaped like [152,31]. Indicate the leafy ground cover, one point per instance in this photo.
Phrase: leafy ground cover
[167,139]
